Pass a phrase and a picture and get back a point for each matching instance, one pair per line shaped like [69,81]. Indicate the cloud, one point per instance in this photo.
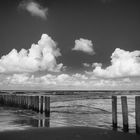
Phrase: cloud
[47,80]
[123,64]
[86,64]
[84,45]
[34,8]
[39,57]
[96,65]
[18,78]
[66,81]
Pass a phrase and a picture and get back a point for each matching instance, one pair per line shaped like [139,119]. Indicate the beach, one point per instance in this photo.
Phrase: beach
[67,133]
[70,110]
[74,116]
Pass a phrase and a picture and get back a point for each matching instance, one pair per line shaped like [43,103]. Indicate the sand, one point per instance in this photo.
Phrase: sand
[67,133]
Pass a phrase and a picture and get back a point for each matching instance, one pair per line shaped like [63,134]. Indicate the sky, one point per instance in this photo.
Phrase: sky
[70,44]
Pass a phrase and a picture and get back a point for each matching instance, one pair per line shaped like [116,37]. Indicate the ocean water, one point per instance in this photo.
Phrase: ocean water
[71,108]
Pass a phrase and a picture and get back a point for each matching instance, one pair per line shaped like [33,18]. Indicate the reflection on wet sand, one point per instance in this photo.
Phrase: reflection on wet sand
[44,123]
[40,121]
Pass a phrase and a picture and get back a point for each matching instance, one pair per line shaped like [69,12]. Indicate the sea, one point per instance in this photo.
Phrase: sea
[70,108]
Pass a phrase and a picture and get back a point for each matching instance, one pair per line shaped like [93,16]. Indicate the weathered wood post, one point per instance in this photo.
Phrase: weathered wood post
[114,112]
[28,102]
[23,101]
[47,106]
[20,102]
[47,122]
[0,99]
[137,111]
[17,99]
[125,113]
[39,104]
[39,123]
[43,122]
[42,104]
[33,103]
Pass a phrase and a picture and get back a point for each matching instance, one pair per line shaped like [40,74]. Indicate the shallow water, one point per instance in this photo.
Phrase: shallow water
[91,109]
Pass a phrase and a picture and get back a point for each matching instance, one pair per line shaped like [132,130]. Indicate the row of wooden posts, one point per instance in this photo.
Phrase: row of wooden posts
[125,113]
[40,104]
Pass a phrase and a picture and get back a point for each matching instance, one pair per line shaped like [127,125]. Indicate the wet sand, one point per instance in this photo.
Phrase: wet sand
[67,133]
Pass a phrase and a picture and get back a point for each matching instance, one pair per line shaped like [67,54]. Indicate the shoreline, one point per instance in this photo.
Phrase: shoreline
[67,133]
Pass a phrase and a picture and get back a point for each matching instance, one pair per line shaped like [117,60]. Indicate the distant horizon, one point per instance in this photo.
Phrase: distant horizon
[71,90]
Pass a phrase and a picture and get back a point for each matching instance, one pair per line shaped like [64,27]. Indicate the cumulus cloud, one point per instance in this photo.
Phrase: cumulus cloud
[86,65]
[41,56]
[18,78]
[34,8]
[96,65]
[84,45]
[66,81]
[47,80]
[123,64]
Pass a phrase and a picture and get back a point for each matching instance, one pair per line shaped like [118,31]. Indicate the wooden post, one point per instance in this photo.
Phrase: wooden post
[114,111]
[47,122]
[37,103]
[21,101]
[39,123]
[41,104]
[0,99]
[28,102]
[137,110]
[125,113]
[47,106]
[43,122]
[33,101]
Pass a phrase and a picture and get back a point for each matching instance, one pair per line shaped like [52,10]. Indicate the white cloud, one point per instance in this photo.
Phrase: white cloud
[84,45]
[41,56]
[96,65]
[126,80]
[18,79]
[49,79]
[34,8]
[123,64]
[86,64]
[67,81]
[80,76]
[93,65]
